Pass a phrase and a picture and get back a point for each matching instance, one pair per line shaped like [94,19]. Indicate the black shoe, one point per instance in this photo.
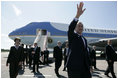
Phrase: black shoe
[58,75]
[37,71]
[33,72]
[64,69]
[114,76]
[95,68]
[107,75]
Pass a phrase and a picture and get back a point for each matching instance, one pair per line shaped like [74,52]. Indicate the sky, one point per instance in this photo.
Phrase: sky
[16,14]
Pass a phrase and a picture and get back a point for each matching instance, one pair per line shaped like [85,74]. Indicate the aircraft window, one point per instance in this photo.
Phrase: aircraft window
[115,31]
[111,31]
[95,30]
[101,30]
[105,30]
[88,30]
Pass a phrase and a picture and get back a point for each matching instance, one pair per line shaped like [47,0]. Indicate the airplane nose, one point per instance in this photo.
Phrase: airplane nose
[11,33]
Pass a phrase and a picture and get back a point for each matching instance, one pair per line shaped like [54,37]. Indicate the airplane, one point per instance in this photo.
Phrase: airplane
[48,33]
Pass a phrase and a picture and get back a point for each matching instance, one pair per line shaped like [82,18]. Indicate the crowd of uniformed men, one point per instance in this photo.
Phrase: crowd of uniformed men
[78,58]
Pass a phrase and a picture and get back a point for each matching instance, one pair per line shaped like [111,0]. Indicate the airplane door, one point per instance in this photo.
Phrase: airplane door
[43,32]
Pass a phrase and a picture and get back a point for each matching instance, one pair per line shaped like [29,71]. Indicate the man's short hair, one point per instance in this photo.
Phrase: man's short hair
[80,23]
[58,41]
[17,38]
[35,43]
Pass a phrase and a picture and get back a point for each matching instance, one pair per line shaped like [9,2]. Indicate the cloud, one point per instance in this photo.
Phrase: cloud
[17,11]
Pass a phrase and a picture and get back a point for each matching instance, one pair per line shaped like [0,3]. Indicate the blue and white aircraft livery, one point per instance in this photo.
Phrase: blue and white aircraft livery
[54,32]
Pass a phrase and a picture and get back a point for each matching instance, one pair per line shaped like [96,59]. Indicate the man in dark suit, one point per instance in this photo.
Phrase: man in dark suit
[26,55]
[57,54]
[110,52]
[30,49]
[23,61]
[93,57]
[66,50]
[36,55]
[78,61]
[15,58]
[46,55]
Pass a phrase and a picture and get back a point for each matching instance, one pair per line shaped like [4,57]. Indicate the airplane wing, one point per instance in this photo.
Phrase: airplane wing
[103,42]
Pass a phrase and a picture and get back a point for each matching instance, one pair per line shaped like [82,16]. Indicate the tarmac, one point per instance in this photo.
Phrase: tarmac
[47,71]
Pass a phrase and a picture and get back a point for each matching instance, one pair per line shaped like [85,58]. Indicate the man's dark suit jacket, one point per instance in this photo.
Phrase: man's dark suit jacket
[110,53]
[15,55]
[30,52]
[36,55]
[57,53]
[46,53]
[79,58]
[93,54]
[65,53]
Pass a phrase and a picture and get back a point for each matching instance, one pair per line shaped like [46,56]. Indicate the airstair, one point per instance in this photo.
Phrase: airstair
[41,39]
